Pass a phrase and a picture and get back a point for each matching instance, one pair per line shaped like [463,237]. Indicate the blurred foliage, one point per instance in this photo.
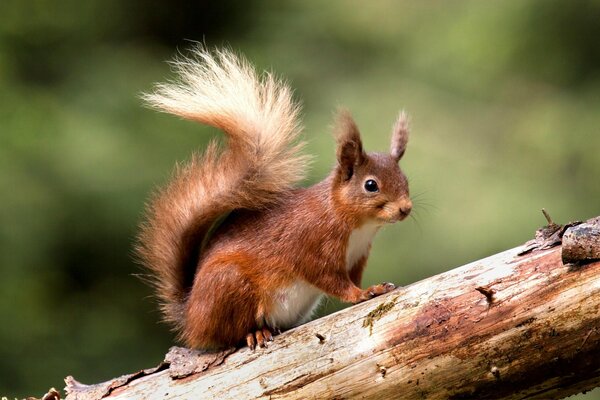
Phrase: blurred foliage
[504,99]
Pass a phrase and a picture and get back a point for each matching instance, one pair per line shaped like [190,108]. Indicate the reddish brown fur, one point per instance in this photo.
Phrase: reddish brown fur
[271,238]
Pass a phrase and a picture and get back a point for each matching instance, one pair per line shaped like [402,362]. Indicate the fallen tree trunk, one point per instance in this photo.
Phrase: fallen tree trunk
[508,326]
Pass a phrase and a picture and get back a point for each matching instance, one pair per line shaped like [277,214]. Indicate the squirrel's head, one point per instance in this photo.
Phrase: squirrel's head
[371,186]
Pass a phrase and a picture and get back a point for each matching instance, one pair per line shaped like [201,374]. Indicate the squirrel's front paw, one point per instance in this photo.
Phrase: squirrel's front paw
[377,290]
[382,288]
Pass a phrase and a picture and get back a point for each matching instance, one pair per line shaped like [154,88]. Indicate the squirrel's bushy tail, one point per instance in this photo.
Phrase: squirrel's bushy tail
[259,162]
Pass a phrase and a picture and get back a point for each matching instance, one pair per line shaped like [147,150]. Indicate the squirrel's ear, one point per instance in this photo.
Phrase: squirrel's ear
[399,136]
[350,152]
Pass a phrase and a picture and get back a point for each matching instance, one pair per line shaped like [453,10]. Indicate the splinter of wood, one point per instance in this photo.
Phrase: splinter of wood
[548,218]
[487,292]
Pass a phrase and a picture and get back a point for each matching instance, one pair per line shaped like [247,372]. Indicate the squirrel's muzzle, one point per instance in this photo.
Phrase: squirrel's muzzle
[404,209]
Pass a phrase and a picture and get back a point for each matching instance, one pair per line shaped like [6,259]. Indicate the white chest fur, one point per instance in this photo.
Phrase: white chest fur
[294,305]
[359,242]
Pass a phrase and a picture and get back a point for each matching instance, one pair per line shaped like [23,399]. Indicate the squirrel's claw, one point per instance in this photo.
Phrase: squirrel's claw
[260,339]
[250,341]
[388,286]
[267,334]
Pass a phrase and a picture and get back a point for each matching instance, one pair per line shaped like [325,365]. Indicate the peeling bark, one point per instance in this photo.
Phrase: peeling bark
[509,326]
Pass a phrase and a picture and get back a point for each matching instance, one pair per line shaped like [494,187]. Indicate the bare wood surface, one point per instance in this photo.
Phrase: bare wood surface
[507,326]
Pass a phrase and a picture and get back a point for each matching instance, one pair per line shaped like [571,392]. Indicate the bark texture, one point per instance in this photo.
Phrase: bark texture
[582,242]
[509,326]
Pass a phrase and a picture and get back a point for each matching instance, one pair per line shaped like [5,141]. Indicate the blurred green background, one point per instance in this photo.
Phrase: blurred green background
[504,99]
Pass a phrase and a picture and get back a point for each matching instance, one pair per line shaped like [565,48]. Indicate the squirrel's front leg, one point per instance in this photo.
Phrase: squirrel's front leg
[355,275]
[356,271]
[338,283]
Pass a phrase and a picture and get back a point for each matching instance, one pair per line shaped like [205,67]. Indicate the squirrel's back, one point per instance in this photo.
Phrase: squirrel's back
[260,161]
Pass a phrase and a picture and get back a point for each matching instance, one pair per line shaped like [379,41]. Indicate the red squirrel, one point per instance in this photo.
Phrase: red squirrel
[237,251]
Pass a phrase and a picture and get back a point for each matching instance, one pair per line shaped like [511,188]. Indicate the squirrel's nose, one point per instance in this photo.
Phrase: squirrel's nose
[405,208]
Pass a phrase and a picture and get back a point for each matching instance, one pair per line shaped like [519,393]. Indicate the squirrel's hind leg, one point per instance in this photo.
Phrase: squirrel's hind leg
[222,307]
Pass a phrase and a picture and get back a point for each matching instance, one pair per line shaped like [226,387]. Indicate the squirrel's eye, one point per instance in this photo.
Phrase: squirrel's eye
[371,186]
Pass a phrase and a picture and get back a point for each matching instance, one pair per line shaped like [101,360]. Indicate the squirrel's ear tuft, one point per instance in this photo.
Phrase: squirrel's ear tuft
[350,152]
[399,136]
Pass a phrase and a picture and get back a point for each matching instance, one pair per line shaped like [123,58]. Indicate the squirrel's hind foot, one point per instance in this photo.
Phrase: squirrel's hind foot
[260,338]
